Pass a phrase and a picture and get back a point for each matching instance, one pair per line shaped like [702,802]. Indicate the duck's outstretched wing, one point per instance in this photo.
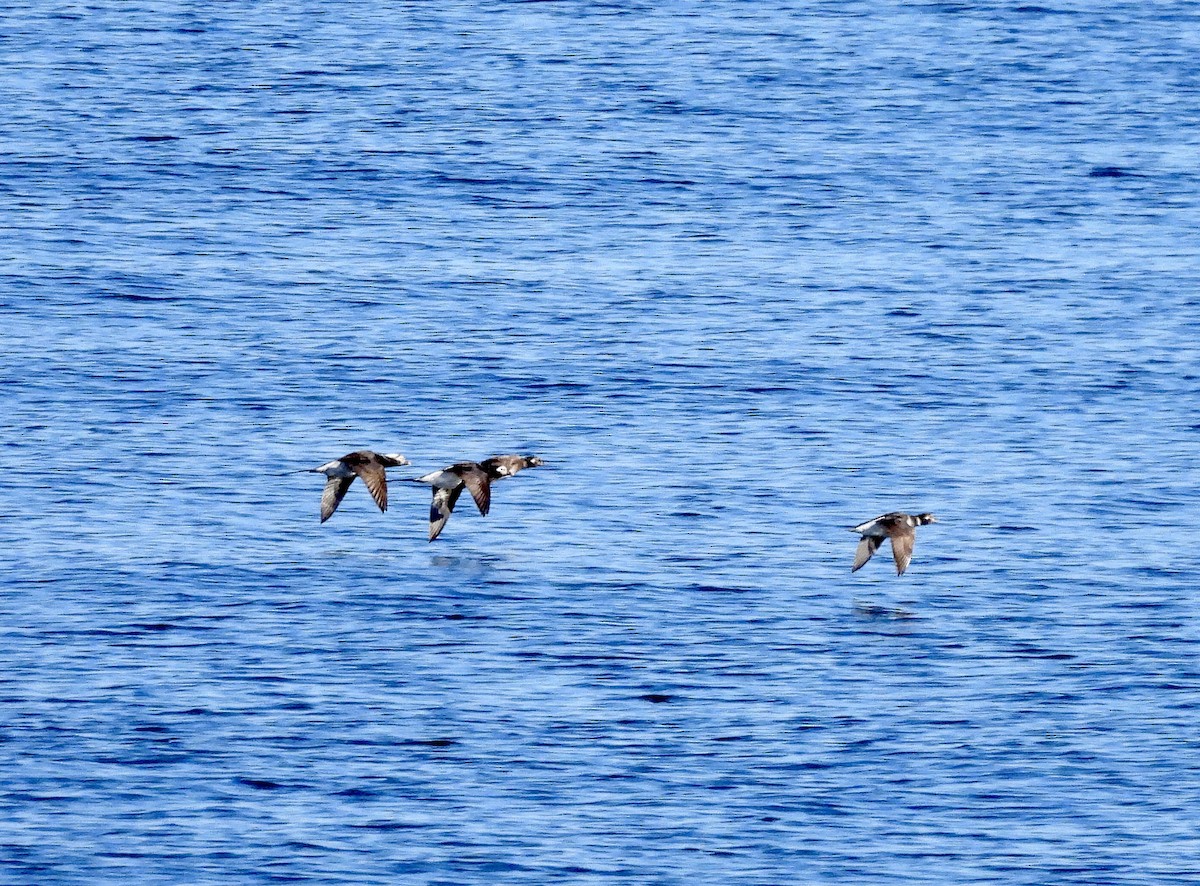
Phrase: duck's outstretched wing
[335,491]
[902,549]
[476,480]
[867,546]
[441,509]
[375,478]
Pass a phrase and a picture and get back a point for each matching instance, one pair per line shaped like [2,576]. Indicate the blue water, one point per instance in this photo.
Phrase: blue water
[744,274]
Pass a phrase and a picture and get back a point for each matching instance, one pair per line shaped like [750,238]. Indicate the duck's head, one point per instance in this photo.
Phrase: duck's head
[394,460]
[506,465]
[923,519]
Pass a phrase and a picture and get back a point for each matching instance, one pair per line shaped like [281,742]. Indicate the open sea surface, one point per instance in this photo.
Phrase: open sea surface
[744,275]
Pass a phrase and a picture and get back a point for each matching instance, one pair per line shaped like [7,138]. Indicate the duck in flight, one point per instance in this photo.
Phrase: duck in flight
[899,527]
[476,478]
[340,473]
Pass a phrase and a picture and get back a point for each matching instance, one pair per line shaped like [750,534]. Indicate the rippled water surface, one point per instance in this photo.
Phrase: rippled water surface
[743,274]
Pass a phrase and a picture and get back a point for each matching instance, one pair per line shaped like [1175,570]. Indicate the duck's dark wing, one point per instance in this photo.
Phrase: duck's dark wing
[902,549]
[443,505]
[476,480]
[335,491]
[867,546]
[374,476]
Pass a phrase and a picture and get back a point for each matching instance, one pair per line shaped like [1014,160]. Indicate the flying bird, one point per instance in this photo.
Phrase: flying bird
[899,527]
[340,473]
[476,478]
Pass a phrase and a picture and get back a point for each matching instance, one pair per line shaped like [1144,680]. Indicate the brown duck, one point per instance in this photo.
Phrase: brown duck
[899,527]
[340,473]
[476,478]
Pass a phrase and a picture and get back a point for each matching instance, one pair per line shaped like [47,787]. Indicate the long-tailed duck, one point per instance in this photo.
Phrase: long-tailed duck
[476,478]
[899,527]
[340,473]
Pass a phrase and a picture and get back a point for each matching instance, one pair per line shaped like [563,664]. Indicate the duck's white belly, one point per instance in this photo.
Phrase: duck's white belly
[441,479]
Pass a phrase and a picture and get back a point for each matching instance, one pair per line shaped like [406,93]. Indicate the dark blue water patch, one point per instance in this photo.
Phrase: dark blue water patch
[429,742]
[386,826]
[1036,652]
[126,296]
[148,761]
[656,698]
[161,627]
[297,706]
[719,589]
[360,793]
[259,784]
[769,389]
